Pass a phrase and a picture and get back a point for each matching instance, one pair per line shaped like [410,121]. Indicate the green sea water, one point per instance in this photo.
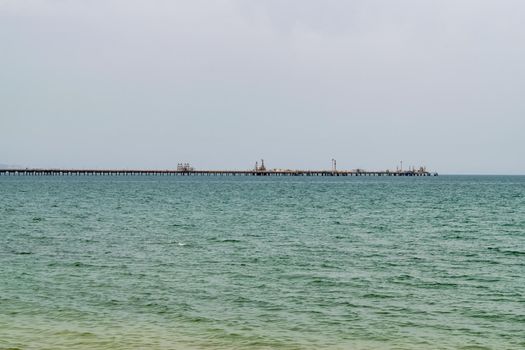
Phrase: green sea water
[145,262]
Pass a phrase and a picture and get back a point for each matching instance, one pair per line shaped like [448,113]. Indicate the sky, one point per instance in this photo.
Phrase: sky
[223,83]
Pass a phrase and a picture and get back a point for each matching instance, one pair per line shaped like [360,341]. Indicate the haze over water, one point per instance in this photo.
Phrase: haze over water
[282,263]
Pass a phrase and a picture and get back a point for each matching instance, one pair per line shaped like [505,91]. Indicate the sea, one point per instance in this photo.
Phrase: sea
[167,262]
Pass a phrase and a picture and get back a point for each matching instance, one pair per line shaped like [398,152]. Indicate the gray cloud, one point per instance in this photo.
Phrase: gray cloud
[221,83]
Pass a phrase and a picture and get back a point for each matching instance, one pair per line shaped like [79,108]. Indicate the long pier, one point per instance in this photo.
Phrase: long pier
[135,172]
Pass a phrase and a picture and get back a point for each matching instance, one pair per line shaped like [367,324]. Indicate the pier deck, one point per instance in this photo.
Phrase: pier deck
[124,172]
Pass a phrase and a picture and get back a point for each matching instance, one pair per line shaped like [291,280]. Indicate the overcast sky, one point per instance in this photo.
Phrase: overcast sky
[222,83]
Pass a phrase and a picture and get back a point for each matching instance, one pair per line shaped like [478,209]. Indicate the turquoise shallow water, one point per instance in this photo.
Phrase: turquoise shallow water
[276,263]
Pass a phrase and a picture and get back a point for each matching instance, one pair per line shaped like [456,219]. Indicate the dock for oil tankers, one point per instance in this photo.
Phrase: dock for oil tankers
[186,172]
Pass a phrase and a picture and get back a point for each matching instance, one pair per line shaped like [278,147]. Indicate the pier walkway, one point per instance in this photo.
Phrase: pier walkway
[129,172]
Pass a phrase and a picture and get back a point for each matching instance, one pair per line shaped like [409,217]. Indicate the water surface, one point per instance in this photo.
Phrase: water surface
[146,262]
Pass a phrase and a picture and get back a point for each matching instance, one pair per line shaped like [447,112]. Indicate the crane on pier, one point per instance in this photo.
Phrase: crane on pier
[260,168]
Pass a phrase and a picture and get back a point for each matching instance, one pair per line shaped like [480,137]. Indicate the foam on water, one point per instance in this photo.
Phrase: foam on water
[287,263]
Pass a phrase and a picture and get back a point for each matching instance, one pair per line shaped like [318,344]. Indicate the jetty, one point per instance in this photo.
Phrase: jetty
[186,170]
